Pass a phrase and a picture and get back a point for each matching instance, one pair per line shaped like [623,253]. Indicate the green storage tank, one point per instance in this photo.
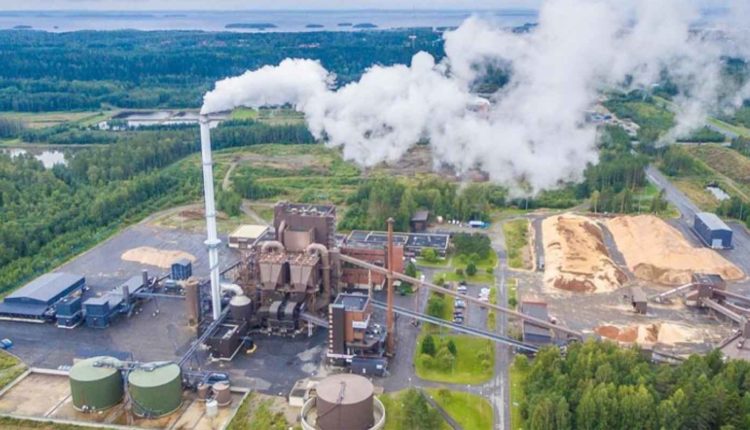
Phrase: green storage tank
[156,392]
[95,388]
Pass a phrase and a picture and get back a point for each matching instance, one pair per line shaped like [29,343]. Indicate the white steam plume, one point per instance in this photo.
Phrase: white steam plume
[534,133]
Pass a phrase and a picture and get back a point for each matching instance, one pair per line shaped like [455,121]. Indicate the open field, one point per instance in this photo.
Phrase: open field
[10,368]
[470,411]
[517,244]
[695,190]
[396,412]
[576,258]
[474,361]
[50,119]
[657,252]
[731,168]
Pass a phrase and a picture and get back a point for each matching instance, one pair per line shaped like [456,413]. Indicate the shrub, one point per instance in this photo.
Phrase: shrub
[428,346]
[471,269]
[460,271]
[444,359]
[490,270]
[429,255]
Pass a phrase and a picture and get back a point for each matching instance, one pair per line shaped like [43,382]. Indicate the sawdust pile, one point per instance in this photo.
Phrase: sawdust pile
[649,334]
[657,252]
[155,257]
[576,258]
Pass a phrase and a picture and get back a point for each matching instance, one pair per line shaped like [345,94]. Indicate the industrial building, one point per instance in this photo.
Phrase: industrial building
[712,230]
[412,243]
[246,236]
[354,336]
[532,333]
[36,300]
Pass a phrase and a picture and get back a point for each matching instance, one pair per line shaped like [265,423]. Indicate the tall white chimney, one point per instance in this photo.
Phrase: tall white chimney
[212,241]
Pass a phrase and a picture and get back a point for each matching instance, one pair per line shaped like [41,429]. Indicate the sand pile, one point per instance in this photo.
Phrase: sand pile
[657,252]
[576,258]
[155,257]
[649,334]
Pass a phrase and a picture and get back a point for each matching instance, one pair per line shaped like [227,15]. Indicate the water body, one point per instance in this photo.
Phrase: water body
[48,157]
[283,21]
[720,194]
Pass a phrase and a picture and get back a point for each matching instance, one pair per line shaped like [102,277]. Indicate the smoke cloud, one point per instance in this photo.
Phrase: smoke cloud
[533,135]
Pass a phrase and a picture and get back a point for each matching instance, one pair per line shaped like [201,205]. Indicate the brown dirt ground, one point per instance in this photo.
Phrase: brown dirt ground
[649,334]
[155,257]
[657,252]
[576,258]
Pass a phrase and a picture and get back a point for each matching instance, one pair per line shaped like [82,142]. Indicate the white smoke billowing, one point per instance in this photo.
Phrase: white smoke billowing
[534,133]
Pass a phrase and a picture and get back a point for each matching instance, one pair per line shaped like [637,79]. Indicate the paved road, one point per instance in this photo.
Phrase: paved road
[686,207]
[500,396]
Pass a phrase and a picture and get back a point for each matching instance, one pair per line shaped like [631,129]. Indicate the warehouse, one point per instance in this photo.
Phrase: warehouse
[36,300]
[245,236]
[712,230]
[413,243]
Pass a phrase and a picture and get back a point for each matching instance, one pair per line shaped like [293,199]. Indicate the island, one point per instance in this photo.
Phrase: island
[251,25]
[345,24]
[365,25]
[314,26]
[22,27]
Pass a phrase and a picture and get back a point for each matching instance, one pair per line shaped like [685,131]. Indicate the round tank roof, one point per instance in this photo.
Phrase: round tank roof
[240,301]
[87,371]
[154,378]
[345,389]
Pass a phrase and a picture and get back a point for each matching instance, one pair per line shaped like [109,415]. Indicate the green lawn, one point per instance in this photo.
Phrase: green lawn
[481,277]
[471,411]
[469,367]
[742,131]
[258,413]
[442,262]
[517,244]
[395,412]
[517,379]
[244,113]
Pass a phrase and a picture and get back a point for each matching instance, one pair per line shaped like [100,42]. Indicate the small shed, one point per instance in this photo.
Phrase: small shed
[712,230]
[418,222]
[533,333]
[639,300]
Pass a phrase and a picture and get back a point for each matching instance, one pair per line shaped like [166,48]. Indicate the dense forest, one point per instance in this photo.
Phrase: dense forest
[600,386]
[48,215]
[132,69]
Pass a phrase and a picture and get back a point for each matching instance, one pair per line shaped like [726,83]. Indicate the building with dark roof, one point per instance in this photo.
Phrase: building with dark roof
[413,243]
[712,230]
[532,333]
[418,222]
[36,299]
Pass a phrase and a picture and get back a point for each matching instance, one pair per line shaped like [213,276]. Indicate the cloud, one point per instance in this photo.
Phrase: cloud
[533,136]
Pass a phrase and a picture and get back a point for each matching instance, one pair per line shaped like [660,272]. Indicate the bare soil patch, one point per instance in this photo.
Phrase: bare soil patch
[155,257]
[650,334]
[576,258]
[657,252]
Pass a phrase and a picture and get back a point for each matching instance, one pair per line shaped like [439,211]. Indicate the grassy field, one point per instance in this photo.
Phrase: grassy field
[471,411]
[517,379]
[244,113]
[10,368]
[259,412]
[395,412]
[695,190]
[517,244]
[50,119]
[731,168]
[742,131]
[469,367]
[485,270]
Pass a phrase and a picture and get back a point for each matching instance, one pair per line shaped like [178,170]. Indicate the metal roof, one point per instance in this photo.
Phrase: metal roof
[46,289]
[712,221]
[344,389]
[249,231]
[154,378]
[355,302]
[22,309]
[420,216]
[86,370]
[537,310]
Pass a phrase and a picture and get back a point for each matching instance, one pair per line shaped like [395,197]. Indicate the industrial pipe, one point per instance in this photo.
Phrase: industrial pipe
[236,289]
[280,233]
[323,252]
[390,345]
[275,244]
[212,240]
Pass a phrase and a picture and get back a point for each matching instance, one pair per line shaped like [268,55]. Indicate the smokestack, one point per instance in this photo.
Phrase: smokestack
[144,278]
[390,346]
[212,241]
